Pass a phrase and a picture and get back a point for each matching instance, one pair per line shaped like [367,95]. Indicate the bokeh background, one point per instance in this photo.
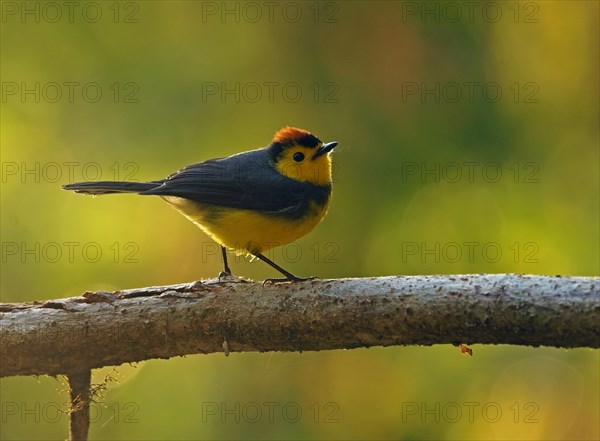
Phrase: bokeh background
[468,144]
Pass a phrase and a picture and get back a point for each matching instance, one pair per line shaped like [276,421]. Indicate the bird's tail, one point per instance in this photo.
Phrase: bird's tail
[110,187]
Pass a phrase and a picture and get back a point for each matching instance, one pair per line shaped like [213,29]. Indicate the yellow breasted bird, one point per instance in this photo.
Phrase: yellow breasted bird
[248,202]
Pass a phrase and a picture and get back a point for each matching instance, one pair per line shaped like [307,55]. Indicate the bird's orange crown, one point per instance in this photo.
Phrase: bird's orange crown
[293,136]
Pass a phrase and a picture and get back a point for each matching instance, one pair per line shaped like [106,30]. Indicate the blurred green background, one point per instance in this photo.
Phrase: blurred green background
[468,144]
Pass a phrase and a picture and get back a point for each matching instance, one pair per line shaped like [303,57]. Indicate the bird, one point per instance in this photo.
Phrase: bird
[251,201]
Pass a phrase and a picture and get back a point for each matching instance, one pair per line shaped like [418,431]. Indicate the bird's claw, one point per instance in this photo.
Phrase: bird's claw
[225,275]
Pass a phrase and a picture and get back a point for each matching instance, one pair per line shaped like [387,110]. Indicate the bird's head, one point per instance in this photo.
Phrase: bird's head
[302,156]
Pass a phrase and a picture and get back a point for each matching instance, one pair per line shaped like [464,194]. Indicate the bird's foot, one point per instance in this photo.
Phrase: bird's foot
[225,275]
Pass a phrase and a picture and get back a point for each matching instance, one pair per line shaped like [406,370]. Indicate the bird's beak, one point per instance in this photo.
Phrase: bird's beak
[325,148]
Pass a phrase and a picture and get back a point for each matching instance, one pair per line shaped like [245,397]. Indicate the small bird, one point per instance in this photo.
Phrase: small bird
[248,202]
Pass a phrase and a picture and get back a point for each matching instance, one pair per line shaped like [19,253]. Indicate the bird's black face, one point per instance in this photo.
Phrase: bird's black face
[302,156]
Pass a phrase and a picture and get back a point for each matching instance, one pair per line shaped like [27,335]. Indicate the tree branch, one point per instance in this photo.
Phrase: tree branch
[102,329]
[79,425]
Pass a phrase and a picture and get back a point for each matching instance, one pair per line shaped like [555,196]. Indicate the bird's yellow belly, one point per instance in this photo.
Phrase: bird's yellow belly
[246,231]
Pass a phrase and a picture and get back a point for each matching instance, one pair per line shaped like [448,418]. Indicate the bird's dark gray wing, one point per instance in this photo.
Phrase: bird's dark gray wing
[244,181]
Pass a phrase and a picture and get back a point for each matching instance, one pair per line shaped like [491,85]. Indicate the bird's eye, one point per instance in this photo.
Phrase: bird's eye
[298,156]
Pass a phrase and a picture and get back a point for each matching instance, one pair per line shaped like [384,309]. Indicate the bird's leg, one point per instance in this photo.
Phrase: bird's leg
[289,277]
[226,270]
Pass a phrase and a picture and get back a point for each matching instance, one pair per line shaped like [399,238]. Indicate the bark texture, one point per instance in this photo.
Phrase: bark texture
[79,390]
[110,328]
